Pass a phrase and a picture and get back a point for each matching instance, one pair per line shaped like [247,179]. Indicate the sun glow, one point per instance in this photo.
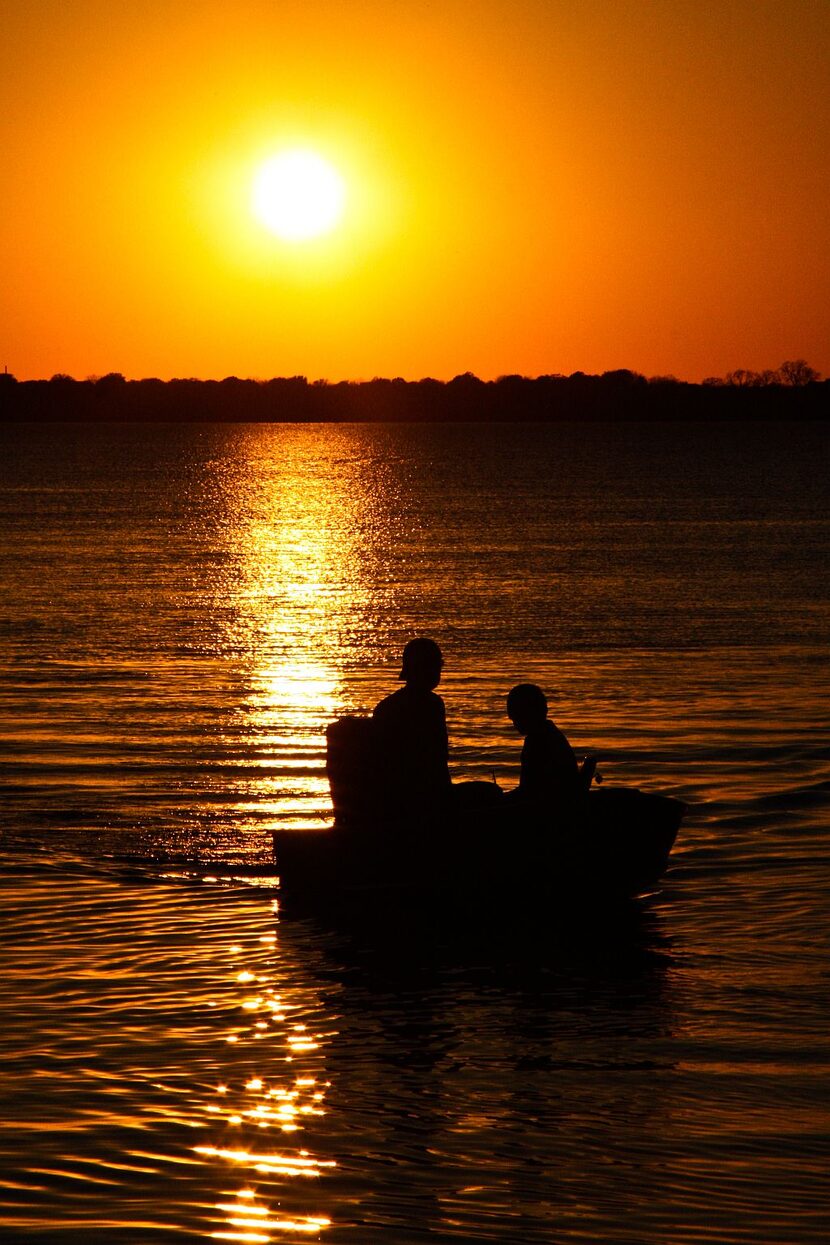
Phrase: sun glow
[298,195]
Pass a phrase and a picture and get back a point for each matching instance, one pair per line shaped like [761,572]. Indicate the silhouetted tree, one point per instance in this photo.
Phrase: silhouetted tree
[467,379]
[797,372]
[740,378]
[623,377]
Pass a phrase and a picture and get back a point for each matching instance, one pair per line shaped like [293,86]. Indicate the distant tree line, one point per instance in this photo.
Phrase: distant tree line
[794,372]
[793,391]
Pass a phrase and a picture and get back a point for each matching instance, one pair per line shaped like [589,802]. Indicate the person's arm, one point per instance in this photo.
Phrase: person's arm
[442,741]
[535,773]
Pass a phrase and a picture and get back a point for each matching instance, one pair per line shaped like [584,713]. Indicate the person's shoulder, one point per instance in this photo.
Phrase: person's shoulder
[561,742]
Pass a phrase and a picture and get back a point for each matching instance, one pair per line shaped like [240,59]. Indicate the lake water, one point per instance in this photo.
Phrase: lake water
[183,609]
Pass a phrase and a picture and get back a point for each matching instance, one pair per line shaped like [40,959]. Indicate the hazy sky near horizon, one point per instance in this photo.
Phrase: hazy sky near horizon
[532,186]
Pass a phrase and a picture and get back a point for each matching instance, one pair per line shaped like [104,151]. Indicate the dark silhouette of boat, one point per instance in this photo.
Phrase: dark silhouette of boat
[475,851]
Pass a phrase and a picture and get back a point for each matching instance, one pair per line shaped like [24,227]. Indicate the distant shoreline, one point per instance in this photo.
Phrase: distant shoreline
[620,395]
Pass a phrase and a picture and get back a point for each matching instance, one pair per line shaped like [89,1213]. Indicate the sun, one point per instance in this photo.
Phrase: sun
[298,195]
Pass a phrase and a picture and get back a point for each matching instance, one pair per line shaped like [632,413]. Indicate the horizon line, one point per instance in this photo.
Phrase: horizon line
[737,376]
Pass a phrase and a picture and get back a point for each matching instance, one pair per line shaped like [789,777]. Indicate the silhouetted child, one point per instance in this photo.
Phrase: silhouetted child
[550,784]
[412,741]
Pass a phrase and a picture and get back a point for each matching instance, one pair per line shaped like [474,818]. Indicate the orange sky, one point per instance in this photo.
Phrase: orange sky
[535,186]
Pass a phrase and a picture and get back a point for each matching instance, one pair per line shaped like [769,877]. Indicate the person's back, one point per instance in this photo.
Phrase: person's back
[549,782]
[412,736]
[549,775]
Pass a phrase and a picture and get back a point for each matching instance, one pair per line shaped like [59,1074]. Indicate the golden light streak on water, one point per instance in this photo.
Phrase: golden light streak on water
[298,1165]
[245,1212]
[251,1238]
[255,1219]
[297,533]
[305,696]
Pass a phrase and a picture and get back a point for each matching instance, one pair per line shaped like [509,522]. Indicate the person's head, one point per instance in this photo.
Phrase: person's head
[527,706]
[422,664]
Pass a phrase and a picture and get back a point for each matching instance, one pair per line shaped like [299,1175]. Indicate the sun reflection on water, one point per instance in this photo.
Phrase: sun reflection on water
[307,518]
[287,712]
[256,1221]
[283,1094]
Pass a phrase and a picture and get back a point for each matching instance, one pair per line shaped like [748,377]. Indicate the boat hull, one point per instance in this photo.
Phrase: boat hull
[619,849]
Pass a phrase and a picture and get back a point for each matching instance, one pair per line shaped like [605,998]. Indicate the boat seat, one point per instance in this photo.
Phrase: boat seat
[351,766]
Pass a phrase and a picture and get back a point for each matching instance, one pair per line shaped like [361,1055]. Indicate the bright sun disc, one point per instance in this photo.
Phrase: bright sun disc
[298,195]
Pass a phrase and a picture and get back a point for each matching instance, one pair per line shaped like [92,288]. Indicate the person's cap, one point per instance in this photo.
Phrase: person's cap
[420,654]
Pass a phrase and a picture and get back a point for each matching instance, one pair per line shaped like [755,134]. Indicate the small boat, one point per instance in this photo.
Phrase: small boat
[473,851]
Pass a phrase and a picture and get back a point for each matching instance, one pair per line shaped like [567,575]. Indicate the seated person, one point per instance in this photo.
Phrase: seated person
[412,741]
[549,784]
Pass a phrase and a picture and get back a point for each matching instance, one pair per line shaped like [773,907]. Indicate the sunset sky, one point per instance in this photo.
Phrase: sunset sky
[529,186]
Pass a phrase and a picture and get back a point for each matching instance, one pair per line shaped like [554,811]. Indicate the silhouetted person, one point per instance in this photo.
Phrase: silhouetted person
[412,736]
[550,785]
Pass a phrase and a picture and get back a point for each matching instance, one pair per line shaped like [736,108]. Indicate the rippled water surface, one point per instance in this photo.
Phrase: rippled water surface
[182,610]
